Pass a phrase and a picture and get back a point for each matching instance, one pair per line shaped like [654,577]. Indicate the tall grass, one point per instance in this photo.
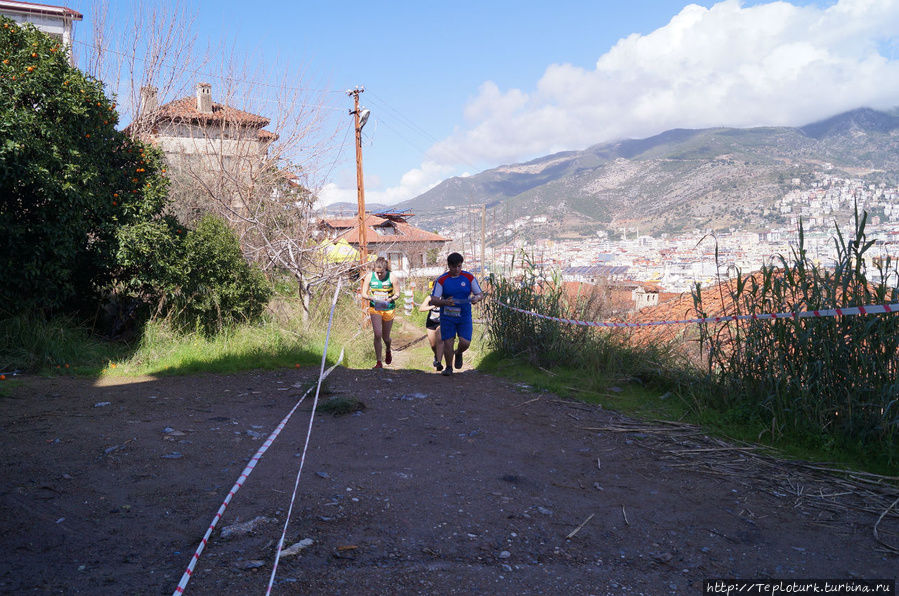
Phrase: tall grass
[833,378]
[599,354]
[285,337]
[30,343]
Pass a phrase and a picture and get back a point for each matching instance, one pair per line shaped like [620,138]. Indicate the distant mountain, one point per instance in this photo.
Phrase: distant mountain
[678,180]
[347,209]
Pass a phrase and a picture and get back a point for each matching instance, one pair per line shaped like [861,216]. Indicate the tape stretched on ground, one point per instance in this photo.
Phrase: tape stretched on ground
[293,497]
[254,460]
[873,309]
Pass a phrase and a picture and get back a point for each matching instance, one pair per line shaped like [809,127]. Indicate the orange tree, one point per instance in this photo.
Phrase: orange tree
[69,181]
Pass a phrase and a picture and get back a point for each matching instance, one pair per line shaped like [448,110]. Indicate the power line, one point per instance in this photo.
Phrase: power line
[207,74]
[422,132]
[339,152]
[400,116]
[384,119]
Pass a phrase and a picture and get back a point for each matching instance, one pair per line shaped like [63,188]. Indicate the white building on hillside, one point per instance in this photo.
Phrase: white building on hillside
[55,21]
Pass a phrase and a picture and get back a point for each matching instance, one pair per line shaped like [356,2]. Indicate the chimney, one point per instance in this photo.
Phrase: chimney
[204,98]
[148,99]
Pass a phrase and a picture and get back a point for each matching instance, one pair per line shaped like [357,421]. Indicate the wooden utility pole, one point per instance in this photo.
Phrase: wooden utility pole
[360,184]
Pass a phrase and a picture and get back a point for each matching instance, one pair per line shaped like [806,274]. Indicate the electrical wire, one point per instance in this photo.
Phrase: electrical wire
[422,132]
[208,74]
[381,118]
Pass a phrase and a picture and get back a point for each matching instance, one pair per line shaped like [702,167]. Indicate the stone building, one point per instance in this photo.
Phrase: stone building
[212,150]
[196,131]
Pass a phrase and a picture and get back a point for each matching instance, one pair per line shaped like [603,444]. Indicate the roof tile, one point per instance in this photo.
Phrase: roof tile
[186,109]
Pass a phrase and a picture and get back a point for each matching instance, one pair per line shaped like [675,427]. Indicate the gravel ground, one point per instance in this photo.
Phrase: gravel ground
[441,485]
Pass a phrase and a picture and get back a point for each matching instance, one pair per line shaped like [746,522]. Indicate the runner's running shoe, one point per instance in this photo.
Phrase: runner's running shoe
[458,360]
[388,358]
[378,365]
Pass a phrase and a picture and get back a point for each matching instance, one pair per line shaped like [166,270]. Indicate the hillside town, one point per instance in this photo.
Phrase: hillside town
[675,263]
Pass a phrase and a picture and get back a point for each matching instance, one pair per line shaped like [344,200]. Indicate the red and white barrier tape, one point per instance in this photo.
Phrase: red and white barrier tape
[872,309]
[296,484]
[253,461]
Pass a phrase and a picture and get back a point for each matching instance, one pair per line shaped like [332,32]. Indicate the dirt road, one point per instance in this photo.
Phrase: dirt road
[461,485]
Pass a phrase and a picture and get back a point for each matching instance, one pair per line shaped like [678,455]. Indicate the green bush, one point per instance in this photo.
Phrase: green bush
[68,179]
[221,287]
[199,283]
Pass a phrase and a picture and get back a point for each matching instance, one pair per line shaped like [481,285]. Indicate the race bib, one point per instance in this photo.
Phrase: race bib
[452,311]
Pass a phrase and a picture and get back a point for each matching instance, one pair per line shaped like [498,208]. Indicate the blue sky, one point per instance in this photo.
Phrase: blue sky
[456,88]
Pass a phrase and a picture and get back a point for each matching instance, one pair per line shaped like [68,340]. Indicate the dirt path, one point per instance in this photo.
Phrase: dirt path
[462,485]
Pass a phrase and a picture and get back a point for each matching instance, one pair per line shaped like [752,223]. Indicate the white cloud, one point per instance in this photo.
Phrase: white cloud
[729,65]
[412,184]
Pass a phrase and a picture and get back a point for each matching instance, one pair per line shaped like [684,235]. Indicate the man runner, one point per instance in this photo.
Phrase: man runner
[454,292]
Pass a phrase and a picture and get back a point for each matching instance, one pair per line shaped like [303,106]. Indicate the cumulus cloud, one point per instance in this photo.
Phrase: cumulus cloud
[412,184]
[728,65]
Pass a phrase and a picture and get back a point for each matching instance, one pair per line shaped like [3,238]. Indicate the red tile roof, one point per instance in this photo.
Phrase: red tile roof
[186,109]
[347,228]
[717,301]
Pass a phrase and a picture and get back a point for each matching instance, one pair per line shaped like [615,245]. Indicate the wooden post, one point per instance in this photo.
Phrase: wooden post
[360,194]
[360,184]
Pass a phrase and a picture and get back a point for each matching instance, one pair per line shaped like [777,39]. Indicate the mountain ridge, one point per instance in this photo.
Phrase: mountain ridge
[679,179]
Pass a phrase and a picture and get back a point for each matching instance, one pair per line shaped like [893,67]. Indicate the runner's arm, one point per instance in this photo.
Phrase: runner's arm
[437,298]
[477,294]
[366,288]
